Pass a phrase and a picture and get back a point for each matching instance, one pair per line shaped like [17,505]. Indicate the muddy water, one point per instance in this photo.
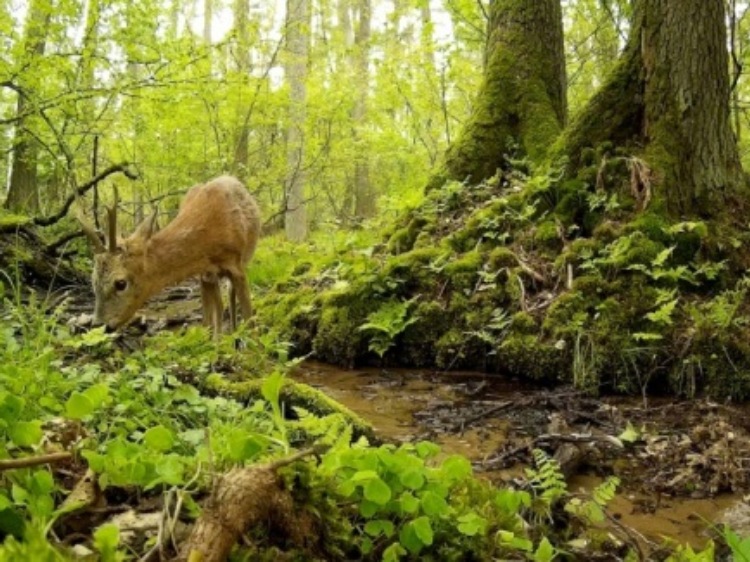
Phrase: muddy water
[395,402]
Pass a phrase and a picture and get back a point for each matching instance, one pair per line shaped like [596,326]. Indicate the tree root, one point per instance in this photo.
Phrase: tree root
[244,498]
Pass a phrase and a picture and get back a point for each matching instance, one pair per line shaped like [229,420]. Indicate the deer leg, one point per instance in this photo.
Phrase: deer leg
[242,293]
[211,299]
[233,307]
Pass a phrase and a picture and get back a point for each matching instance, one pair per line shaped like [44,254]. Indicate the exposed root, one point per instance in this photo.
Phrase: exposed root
[244,498]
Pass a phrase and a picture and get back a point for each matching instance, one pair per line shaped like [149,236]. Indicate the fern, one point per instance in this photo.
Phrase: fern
[386,323]
[591,510]
[547,479]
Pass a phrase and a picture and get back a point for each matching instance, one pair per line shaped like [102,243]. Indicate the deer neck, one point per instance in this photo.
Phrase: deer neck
[173,255]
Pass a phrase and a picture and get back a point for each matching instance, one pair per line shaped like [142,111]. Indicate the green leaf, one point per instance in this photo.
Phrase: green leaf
[471,524]
[409,503]
[26,433]
[159,438]
[545,552]
[379,526]
[78,406]
[426,449]
[433,505]
[408,537]
[171,470]
[243,447]
[377,491]
[630,435]
[368,509]
[106,541]
[97,394]
[412,479]
[456,468]
[423,528]
[394,553]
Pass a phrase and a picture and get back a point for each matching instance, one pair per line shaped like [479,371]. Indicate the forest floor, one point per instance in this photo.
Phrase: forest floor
[683,463]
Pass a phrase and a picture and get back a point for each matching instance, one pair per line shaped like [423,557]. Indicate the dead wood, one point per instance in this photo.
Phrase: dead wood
[26,462]
[245,498]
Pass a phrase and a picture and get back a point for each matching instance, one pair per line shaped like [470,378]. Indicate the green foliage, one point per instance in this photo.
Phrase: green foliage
[390,320]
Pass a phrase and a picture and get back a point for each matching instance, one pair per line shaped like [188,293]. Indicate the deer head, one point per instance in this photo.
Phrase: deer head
[119,280]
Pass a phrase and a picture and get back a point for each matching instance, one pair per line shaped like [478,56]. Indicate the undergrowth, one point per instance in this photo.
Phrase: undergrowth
[143,421]
[534,276]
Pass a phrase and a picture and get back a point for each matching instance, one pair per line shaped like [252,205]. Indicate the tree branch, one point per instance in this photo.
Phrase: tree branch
[123,167]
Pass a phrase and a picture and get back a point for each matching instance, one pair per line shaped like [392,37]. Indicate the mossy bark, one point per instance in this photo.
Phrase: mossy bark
[292,394]
[668,101]
[521,106]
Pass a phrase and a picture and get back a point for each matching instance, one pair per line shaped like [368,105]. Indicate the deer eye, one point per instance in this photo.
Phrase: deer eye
[121,285]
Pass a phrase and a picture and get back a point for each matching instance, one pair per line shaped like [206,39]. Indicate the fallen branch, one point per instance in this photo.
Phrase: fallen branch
[123,168]
[26,462]
[242,499]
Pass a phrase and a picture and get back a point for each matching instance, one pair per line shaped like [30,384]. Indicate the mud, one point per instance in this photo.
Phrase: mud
[484,418]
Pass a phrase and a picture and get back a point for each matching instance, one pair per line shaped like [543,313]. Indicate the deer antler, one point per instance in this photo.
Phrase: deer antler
[112,222]
[91,234]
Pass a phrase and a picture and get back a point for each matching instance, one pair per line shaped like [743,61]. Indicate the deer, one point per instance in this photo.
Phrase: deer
[213,236]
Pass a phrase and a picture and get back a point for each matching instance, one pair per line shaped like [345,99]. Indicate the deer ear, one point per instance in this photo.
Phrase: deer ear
[148,227]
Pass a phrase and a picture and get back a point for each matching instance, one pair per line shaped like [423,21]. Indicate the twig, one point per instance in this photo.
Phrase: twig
[10,464]
[123,168]
[461,425]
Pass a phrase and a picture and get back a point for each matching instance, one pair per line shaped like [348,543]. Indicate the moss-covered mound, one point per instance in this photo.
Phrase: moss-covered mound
[581,280]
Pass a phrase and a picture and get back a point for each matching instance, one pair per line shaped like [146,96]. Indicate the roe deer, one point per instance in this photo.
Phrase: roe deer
[214,235]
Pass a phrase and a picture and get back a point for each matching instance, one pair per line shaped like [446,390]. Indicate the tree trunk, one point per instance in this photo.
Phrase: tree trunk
[242,131]
[23,193]
[208,16]
[364,194]
[668,101]
[521,106]
[297,38]
[690,142]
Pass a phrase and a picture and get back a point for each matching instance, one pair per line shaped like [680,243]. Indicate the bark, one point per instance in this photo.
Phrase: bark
[667,101]
[686,125]
[242,132]
[521,106]
[364,194]
[298,24]
[23,193]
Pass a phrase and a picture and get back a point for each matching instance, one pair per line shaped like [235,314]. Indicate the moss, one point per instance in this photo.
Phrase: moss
[607,231]
[464,270]
[523,323]
[546,236]
[654,226]
[502,257]
[400,241]
[424,240]
[525,355]
[449,349]
[301,268]
[338,339]
[293,394]
[10,221]
[417,344]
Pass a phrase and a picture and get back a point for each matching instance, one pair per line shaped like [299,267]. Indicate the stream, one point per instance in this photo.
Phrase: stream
[407,405]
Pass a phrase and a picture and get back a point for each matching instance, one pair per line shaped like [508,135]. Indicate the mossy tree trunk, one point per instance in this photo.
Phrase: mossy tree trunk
[23,192]
[668,100]
[521,106]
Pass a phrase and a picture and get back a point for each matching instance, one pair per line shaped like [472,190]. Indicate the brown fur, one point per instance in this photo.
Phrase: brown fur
[214,235]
